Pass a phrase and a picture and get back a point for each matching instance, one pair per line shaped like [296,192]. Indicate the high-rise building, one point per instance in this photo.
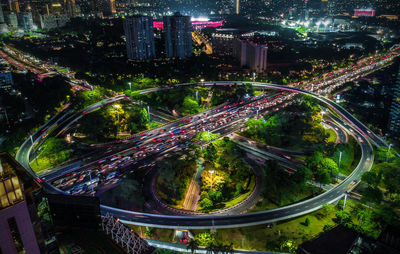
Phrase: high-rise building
[237,6]
[14,5]
[52,21]
[107,7]
[27,21]
[394,115]
[24,212]
[250,54]
[1,14]
[139,35]
[178,36]
[12,19]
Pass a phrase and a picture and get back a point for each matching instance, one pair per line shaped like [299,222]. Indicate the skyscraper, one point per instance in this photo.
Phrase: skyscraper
[107,7]
[237,6]
[27,21]
[394,115]
[178,36]
[251,55]
[139,38]
[1,14]
[12,19]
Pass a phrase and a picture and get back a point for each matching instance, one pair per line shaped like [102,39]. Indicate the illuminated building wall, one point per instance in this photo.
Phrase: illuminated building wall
[178,36]
[24,213]
[394,123]
[139,38]
[364,12]
[251,55]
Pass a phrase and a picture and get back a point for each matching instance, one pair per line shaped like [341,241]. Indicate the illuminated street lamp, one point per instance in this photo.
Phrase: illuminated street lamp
[117,107]
[211,172]
[388,151]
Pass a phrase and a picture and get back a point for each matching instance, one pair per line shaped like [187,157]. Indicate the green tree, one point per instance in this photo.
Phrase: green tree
[210,153]
[190,106]
[205,239]
[322,175]
[289,246]
[330,165]
[371,178]
[372,195]
[206,204]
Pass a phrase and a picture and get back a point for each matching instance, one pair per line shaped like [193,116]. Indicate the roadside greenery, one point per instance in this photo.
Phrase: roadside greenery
[231,176]
[53,152]
[108,122]
[175,174]
[296,127]
[383,187]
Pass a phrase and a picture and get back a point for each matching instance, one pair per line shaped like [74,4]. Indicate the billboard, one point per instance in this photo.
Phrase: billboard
[364,12]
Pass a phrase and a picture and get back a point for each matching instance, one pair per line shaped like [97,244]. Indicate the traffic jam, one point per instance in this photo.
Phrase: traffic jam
[109,170]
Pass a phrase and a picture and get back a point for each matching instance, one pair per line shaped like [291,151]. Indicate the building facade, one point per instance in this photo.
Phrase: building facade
[24,213]
[139,35]
[251,55]
[394,115]
[12,19]
[178,36]
[52,21]
[27,21]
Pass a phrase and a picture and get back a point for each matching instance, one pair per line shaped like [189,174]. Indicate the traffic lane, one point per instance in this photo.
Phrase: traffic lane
[341,135]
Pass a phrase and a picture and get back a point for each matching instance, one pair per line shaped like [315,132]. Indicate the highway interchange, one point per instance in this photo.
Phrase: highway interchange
[225,119]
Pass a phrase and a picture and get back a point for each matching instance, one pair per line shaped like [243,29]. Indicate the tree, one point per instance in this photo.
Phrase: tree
[391,179]
[330,165]
[190,106]
[372,195]
[205,239]
[210,153]
[206,204]
[289,246]
[371,178]
[322,176]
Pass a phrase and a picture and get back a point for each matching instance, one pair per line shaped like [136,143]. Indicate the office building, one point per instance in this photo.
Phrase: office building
[178,36]
[251,55]
[139,38]
[27,21]
[12,19]
[5,78]
[106,7]
[1,14]
[24,213]
[52,21]
[237,6]
[394,115]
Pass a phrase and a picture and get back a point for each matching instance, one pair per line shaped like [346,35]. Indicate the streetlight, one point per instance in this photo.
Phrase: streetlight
[117,107]
[388,151]
[148,112]
[211,172]
[130,85]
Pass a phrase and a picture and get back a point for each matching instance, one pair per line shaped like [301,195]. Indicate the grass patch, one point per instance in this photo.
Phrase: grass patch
[332,135]
[241,197]
[267,204]
[351,154]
